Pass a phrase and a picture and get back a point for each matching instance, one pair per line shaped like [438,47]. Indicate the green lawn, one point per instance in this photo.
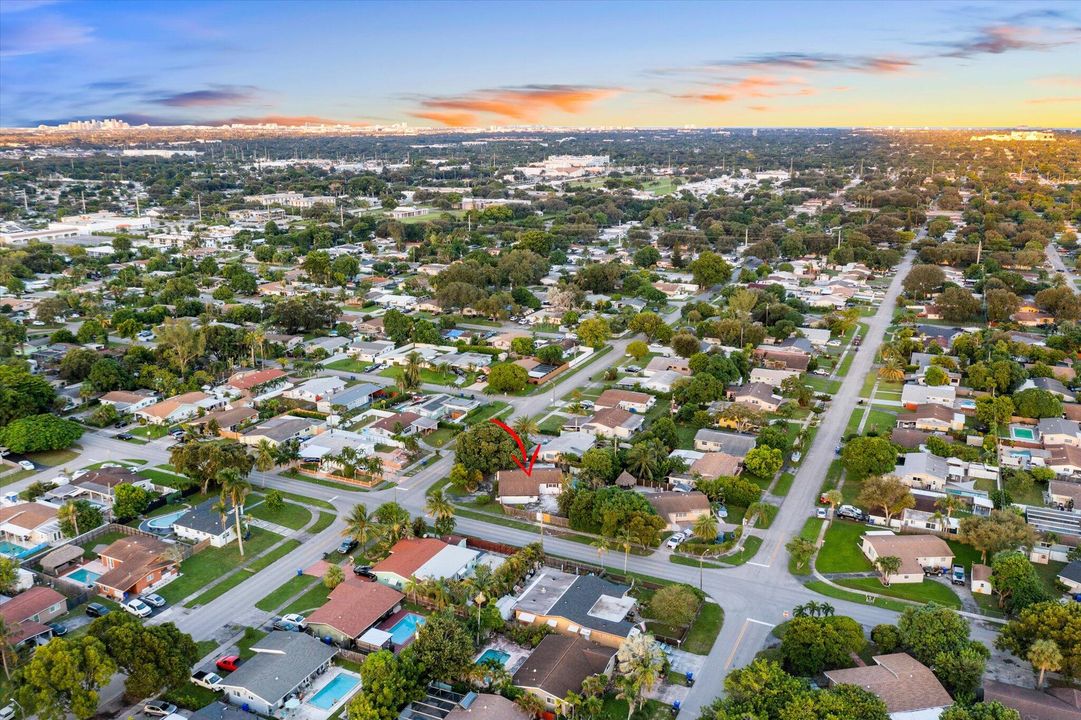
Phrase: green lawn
[485,412]
[784,484]
[829,591]
[750,547]
[233,580]
[822,384]
[251,636]
[840,552]
[614,709]
[925,592]
[324,521]
[167,479]
[312,599]
[552,424]
[151,432]
[704,629]
[54,458]
[441,437]
[203,568]
[290,515]
[347,365]
[810,531]
[288,589]
[429,376]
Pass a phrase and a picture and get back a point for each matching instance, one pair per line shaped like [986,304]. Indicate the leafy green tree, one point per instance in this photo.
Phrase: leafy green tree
[1001,530]
[9,574]
[1044,655]
[507,378]
[485,448]
[685,344]
[334,576]
[130,501]
[961,671]
[389,683]
[40,433]
[811,645]
[930,630]
[104,415]
[64,677]
[79,516]
[801,549]
[597,466]
[397,326]
[1046,621]
[993,710]
[1015,582]
[674,604]
[763,462]
[637,350]
[23,394]
[202,461]
[1036,403]
[886,493]
[594,332]
[710,269]
[443,649]
[155,658]
[651,325]
[865,456]
[76,364]
[922,280]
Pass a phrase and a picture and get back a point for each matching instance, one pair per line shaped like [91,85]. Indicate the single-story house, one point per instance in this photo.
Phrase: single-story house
[915,551]
[518,488]
[203,522]
[403,423]
[1055,703]
[252,380]
[1065,460]
[486,706]
[907,686]
[735,444]
[1064,494]
[284,663]
[1070,576]
[923,470]
[931,418]
[584,605]
[715,464]
[29,524]
[179,408]
[351,609]
[559,665]
[135,563]
[679,509]
[772,376]
[129,401]
[667,364]
[913,395]
[568,443]
[26,615]
[350,399]
[1057,431]
[280,429]
[757,395]
[100,485]
[315,389]
[425,558]
[614,423]
[628,400]
[228,421]
[1051,385]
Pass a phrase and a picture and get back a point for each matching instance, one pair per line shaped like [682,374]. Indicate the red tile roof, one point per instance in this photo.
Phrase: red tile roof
[407,556]
[353,607]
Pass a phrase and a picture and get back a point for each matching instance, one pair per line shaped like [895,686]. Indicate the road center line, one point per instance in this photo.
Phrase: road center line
[761,622]
[757,564]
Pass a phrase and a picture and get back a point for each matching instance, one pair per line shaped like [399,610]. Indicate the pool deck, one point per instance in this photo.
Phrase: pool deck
[391,621]
[518,654]
[94,566]
[307,711]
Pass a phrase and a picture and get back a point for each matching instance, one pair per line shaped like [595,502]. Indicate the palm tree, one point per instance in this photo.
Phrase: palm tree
[888,565]
[630,690]
[235,487]
[623,539]
[359,525]
[1045,655]
[525,426]
[705,528]
[222,509]
[69,513]
[601,546]
[287,452]
[438,507]
[255,339]
[410,377]
[411,587]
[949,504]
[264,456]
[892,371]
[6,633]
[531,704]
[642,462]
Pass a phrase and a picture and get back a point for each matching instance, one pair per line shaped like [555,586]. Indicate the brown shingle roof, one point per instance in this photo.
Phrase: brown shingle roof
[138,555]
[612,417]
[666,503]
[250,379]
[27,515]
[389,423]
[980,573]
[909,548]
[613,397]
[516,482]
[1055,704]
[903,683]
[715,464]
[29,603]
[560,663]
[353,607]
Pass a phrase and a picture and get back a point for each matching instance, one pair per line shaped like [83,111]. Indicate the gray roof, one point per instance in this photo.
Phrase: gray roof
[580,598]
[731,443]
[1057,426]
[287,659]
[202,518]
[357,392]
[220,711]
[917,462]
[1072,571]
[281,428]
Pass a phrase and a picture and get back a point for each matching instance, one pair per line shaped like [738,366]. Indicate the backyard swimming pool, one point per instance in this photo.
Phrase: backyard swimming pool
[405,628]
[492,654]
[334,691]
[1022,433]
[164,522]
[83,576]
[14,551]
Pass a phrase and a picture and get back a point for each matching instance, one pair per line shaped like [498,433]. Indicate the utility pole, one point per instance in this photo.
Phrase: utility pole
[82,197]
[137,213]
[199,205]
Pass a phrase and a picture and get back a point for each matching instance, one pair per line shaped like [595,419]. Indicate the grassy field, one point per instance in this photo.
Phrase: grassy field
[431,376]
[312,599]
[251,636]
[167,479]
[784,484]
[53,458]
[810,531]
[840,552]
[924,592]
[324,521]
[750,547]
[829,591]
[290,515]
[347,365]
[485,412]
[294,585]
[704,629]
[614,709]
[245,573]
[203,568]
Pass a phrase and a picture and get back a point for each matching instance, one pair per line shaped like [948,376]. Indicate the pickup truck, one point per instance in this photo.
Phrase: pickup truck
[957,575]
[207,679]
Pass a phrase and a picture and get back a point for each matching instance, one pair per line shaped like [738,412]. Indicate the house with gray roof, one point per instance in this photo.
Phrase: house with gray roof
[923,470]
[203,522]
[585,605]
[284,664]
[737,444]
[350,399]
[1051,385]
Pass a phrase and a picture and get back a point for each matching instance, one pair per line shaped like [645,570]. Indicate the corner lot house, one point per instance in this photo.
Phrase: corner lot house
[915,551]
[909,689]
[517,488]
[679,509]
[203,522]
[425,558]
[559,665]
[178,408]
[27,613]
[586,606]
[284,663]
[351,609]
[628,400]
[135,564]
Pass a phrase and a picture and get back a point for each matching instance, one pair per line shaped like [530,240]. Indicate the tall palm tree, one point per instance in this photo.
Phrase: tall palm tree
[949,504]
[359,524]
[6,650]
[892,371]
[601,546]
[624,540]
[410,377]
[69,513]
[235,487]
[888,565]
[264,456]
[706,527]
[438,507]
[255,339]
[412,586]
[287,452]
[222,508]
[526,426]
[642,462]
[1045,655]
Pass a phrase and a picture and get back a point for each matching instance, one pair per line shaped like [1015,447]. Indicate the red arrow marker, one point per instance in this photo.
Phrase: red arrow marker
[521,446]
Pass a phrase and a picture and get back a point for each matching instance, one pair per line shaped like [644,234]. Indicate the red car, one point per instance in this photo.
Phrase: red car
[229,663]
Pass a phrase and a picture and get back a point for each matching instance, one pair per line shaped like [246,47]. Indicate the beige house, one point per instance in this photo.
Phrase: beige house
[614,423]
[981,579]
[916,552]
[628,400]
[679,509]
[518,488]
[907,686]
[29,524]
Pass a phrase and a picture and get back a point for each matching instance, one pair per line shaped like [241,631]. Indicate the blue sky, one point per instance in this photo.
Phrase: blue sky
[556,63]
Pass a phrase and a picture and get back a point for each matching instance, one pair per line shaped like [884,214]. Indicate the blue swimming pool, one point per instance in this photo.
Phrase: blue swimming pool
[164,522]
[334,691]
[84,576]
[492,654]
[405,628]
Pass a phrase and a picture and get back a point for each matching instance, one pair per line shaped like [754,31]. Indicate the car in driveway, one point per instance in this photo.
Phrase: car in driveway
[296,619]
[138,608]
[27,465]
[7,712]
[96,610]
[153,600]
[364,571]
[207,679]
[283,624]
[957,575]
[675,540]
[59,629]
[228,663]
[158,708]
[821,512]
[347,545]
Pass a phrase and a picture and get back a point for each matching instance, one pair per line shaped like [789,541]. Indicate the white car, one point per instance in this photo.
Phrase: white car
[26,465]
[138,608]
[675,541]
[153,600]
[7,712]
[204,678]
[296,619]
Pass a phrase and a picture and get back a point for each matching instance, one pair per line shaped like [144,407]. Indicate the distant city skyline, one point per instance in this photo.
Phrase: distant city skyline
[455,64]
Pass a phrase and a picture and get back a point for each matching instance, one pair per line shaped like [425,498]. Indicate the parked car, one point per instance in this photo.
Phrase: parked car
[207,679]
[7,712]
[851,512]
[138,608]
[96,610]
[797,456]
[153,600]
[158,708]
[821,512]
[347,545]
[59,629]
[675,541]
[364,571]
[957,575]
[280,624]
[229,663]
[296,619]
[124,436]
[26,465]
